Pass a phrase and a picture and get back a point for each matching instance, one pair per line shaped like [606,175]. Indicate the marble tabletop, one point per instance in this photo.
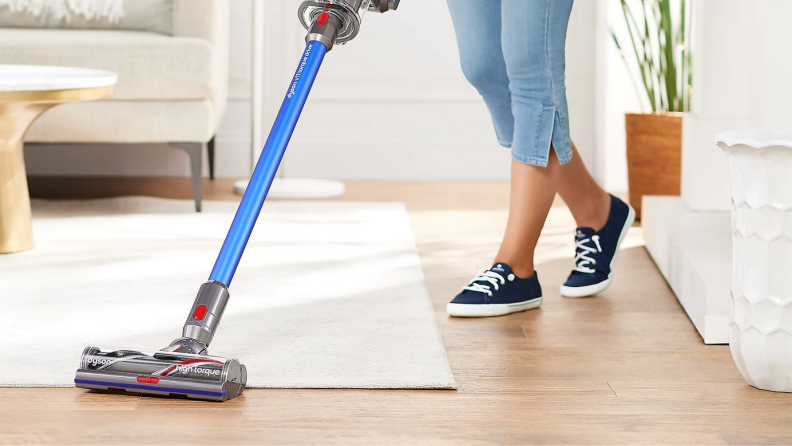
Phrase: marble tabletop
[48,78]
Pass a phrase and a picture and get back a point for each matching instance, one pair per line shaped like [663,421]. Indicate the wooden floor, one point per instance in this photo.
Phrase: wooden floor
[623,368]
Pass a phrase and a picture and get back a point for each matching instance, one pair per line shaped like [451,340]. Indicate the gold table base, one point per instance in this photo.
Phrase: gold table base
[18,110]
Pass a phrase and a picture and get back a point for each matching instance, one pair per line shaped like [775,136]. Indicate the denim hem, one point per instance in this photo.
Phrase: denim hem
[508,145]
[532,160]
[542,162]
[564,159]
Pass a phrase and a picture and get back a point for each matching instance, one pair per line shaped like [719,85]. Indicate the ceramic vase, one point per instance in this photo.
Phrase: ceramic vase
[760,320]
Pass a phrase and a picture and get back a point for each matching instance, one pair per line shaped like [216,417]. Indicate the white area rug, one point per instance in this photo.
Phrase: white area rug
[328,295]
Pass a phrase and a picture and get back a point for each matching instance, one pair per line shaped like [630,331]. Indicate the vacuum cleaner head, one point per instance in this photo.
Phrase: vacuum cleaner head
[162,373]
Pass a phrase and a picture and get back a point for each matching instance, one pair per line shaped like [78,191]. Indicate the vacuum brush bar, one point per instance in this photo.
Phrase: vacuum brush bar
[160,373]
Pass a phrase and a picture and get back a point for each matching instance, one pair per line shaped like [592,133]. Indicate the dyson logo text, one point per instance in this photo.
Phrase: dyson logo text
[299,73]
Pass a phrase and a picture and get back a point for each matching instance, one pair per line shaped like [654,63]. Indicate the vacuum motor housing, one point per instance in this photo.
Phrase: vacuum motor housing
[349,14]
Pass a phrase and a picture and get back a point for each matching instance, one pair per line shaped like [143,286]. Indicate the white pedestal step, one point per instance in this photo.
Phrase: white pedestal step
[693,252]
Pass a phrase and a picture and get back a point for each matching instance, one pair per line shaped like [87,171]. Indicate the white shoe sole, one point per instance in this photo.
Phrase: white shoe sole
[489,310]
[592,290]
[585,291]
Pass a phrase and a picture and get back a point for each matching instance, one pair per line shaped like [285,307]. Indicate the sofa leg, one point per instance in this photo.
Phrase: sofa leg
[195,150]
[210,150]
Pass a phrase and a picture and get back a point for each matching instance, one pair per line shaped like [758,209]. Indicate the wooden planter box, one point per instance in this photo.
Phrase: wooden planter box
[654,155]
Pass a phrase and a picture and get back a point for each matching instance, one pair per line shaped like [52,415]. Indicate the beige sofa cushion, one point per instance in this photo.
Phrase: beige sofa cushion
[149,65]
[126,122]
[139,15]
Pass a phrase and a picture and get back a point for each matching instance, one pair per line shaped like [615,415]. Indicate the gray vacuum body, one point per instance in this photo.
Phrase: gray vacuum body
[161,373]
[183,369]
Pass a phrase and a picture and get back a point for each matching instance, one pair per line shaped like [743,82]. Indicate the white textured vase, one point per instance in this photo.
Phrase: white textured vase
[760,320]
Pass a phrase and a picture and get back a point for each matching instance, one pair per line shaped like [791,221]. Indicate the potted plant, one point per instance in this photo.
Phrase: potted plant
[660,46]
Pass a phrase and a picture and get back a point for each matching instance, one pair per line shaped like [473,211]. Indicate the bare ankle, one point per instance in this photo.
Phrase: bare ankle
[520,268]
[594,214]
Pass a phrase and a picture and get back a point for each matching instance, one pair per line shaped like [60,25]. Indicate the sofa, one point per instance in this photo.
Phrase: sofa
[171,57]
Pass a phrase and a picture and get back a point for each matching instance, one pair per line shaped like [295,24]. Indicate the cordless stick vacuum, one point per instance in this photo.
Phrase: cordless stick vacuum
[184,368]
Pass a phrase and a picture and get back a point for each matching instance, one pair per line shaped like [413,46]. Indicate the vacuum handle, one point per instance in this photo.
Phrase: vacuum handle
[267,166]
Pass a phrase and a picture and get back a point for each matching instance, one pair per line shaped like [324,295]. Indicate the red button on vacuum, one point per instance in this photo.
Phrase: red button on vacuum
[153,380]
[323,18]
[145,379]
[200,312]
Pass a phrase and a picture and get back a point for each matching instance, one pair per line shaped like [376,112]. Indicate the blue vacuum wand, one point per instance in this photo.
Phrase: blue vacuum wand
[267,166]
[184,368]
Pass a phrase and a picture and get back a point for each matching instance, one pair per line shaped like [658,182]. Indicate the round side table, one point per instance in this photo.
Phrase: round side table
[27,91]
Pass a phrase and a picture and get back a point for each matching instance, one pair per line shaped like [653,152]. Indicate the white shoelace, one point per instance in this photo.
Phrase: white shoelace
[582,258]
[486,276]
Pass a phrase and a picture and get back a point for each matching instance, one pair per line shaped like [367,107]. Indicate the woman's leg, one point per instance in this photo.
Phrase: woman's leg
[478,29]
[533,189]
[532,194]
[500,290]
[523,86]
[588,202]
[533,39]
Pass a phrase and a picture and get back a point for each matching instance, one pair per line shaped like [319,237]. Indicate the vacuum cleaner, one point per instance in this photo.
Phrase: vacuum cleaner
[185,368]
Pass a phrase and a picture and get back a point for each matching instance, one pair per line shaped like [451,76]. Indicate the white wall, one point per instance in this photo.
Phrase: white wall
[741,80]
[620,97]
[393,104]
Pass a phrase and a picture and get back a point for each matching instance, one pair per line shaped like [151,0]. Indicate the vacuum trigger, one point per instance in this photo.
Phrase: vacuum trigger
[200,312]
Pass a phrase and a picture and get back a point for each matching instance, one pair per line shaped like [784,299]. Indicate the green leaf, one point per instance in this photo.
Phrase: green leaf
[661,50]
[632,28]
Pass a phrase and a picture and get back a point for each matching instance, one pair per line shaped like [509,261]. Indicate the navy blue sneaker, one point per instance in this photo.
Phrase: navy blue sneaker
[596,252]
[495,292]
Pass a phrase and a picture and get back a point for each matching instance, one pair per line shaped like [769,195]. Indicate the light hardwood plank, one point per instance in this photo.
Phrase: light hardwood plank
[731,438]
[64,399]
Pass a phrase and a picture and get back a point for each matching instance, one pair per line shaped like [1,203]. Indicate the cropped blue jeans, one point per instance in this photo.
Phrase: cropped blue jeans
[512,51]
